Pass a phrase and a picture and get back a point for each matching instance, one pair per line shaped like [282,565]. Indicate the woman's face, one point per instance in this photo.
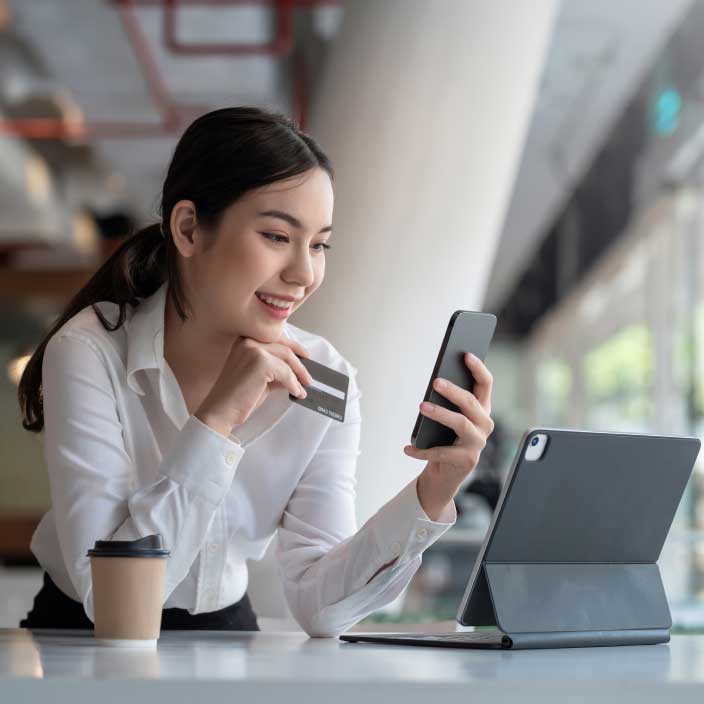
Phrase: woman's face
[269,241]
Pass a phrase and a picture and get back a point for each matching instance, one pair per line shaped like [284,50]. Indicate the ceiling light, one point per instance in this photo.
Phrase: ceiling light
[37,179]
[16,367]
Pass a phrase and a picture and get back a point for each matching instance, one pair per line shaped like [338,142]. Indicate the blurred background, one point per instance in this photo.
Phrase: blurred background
[542,163]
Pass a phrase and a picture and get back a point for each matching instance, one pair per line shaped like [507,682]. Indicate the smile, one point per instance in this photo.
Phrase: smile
[278,309]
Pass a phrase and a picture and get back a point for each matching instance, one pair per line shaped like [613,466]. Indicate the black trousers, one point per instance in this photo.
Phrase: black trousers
[53,609]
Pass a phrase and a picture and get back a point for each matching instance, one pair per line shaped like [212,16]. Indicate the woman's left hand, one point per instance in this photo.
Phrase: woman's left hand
[449,465]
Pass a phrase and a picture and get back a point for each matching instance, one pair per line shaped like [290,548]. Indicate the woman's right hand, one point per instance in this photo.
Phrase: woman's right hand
[251,370]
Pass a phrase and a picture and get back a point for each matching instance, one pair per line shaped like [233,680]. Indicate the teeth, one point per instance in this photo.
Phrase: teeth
[275,301]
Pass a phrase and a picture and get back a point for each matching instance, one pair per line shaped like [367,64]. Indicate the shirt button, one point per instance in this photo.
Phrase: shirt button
[395,547]
[230,458]
[213,548]
[422,533]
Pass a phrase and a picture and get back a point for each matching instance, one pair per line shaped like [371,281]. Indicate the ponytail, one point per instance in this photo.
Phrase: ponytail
[135,270]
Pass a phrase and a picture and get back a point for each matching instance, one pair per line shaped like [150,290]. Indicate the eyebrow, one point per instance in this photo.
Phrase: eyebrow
[290,219]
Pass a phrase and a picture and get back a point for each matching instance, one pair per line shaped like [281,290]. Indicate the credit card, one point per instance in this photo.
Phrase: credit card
[328,392]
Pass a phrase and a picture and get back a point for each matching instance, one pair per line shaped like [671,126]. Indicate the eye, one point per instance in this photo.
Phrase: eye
[273,237]
[278,238]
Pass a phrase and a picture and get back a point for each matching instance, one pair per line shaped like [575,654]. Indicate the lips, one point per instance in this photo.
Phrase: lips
[279,313]
[280,296]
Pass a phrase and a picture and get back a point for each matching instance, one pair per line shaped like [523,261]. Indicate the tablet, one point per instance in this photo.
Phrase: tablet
[579,502]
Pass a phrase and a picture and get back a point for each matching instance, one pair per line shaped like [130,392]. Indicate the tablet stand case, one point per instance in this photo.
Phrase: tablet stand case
[563,568]
[572,605]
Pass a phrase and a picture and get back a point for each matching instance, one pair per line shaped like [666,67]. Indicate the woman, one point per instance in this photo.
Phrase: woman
[163,393]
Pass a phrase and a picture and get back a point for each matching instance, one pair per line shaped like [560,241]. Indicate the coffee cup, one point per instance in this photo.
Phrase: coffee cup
[128,588]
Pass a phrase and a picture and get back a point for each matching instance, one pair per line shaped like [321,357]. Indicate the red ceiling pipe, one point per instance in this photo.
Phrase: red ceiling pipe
[280,45]
[299,94]
[49,128]
[155,84]
[170,113]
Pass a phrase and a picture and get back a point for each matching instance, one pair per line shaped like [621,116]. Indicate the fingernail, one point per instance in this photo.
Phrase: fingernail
[471,356]
[440,383]
[303,393]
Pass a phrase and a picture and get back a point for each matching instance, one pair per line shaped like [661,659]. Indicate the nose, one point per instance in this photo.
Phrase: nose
[301,269]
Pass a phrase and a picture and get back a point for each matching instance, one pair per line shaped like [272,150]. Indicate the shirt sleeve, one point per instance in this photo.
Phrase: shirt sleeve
[328,567]
[93,479]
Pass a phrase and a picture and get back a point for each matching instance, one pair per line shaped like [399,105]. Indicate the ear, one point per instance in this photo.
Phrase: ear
[183,224]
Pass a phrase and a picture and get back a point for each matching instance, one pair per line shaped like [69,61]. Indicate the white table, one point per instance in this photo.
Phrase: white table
[200,667]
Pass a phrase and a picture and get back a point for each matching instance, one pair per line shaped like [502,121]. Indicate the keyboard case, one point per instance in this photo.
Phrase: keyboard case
[570,557]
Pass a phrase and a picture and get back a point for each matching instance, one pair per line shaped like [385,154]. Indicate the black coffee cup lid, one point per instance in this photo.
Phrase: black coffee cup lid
[149,546]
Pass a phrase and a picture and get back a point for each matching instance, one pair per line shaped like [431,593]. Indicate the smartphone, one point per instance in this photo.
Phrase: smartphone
[467,331]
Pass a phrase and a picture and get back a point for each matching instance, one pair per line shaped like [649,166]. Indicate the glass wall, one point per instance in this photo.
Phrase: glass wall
[626,352]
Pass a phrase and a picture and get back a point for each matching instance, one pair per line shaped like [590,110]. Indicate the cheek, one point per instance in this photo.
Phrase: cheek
[319,276]
[237,265]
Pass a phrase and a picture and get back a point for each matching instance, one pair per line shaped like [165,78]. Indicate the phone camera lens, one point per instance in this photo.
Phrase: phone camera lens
[535,441]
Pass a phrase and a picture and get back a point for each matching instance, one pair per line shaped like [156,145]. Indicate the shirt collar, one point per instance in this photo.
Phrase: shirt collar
[145,350]
[143,328]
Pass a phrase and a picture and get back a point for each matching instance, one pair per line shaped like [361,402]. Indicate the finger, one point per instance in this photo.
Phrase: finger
[304,376]
[466,401]
[286,354]
[467,432]
[288,378]
[280,364]
[455,455]
[483,380]
[462,426]
[296,346]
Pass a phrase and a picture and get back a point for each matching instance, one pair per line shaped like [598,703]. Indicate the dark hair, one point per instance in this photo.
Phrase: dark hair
[221,155]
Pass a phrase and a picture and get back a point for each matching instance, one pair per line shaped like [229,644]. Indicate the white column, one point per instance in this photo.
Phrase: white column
[423,108]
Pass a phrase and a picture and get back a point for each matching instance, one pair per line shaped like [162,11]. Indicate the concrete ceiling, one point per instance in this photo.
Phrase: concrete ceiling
[84,45]
[600,51]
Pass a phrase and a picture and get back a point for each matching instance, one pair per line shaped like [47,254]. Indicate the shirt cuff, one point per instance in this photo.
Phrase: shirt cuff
[403,530]
[203,460]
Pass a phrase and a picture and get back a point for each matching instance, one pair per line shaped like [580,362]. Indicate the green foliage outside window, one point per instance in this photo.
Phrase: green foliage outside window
[554,384]
[689,355]
[618,376]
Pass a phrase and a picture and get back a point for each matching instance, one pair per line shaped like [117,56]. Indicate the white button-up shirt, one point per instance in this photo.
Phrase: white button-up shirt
[126,459]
